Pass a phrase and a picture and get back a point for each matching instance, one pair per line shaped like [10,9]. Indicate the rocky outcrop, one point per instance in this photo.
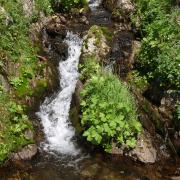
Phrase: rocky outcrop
[122,52]
[123,5]
[145,151]
[27,153]
[95,44]
[121,9]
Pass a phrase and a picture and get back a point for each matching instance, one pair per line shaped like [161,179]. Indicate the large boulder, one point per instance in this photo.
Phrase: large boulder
[145,151]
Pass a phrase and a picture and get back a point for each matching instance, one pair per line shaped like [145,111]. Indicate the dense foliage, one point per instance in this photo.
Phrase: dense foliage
[108,110]
[66,5]
[20,66]
[16,47]
[89,68]
[13,123]
[160,53]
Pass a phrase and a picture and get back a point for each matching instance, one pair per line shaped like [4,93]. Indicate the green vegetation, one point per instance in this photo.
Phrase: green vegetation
[178,111]
[100,33]
[16,47]
[44,6]
[108,110]
[89,68]
[20,66]
[67,5]
[160,53]
[13,123]
[136,80]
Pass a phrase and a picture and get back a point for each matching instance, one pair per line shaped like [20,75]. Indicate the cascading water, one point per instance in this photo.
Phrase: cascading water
[54,113]
[93,4]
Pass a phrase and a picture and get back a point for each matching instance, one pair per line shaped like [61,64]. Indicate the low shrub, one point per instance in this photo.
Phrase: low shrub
[67,5]
[159,57]
[109,113]
[13,123]
[88,68]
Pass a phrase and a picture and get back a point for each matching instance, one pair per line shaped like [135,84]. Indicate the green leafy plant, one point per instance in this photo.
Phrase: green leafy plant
[19,62]
[67,5]
[159,57]
[109,113]
[136,80]
[13,123]
[89,67]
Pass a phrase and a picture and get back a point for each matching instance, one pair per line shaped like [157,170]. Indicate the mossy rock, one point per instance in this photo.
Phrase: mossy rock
[96,43]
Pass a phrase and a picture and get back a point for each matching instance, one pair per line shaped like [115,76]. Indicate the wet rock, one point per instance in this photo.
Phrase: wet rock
[168,103]
[19,176]
[26,153]
[75,108]
[108,174]
[149,115]
[145,151]
[90,171]
[36,28]
[61,49]
[54,29]
[122,53]
[79,88]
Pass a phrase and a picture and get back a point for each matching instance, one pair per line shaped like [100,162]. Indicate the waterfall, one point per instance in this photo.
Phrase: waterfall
[93,4]
[54,113]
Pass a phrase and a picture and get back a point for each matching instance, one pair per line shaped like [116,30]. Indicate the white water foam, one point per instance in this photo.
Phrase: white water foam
[54,114]
[94,4]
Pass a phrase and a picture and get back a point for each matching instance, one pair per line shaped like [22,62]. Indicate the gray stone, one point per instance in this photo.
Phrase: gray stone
[123,5]
[26,153]
[144,151]
[29,134]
